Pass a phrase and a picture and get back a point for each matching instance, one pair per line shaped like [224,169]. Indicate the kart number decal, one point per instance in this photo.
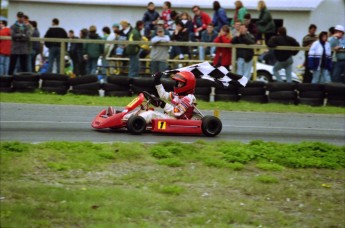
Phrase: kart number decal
[133,102]
[162,125]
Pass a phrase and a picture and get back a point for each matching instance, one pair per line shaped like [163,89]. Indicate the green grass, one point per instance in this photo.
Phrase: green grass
[71,99]
[203,184]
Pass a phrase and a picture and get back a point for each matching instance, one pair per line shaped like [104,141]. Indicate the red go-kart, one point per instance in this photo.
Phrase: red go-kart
[197,125]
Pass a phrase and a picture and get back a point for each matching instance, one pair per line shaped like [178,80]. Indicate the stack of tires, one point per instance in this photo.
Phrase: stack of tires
[203,89]
[140,84]
[229,93]
[25,82]
[310,94]
[85,85]
[335,94]
[54,83]
[282,92]
[6,83]
[117,86]
[255,91]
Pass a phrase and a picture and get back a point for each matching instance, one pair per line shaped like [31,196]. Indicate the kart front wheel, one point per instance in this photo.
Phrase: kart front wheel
[211,126]
[136,125]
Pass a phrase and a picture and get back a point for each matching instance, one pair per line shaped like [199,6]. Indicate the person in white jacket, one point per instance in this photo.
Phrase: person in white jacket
[320,59]
[159,54]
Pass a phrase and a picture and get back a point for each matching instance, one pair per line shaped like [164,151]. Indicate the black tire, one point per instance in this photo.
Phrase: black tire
[144,82]
[254,99]
[281,86]
[117,94]
[54,83]
[85,92]
[83,80]
[203,91]
[115,87]
[202,97]
[61,90]
[136,125]
[88,86]
[335,88]
[205,83]
[334,102]
[211,126]
[336,97]
[26,77]
[264,76]
[6,89]
[119,80]
[54,77]
[304,87]
[252,91]
[310,101]
[138,89]
[31,85]
[168,84]
[6,78]
[5,84]
[283,95]
[231,89]
[312,94]
[260,84]
[227,97]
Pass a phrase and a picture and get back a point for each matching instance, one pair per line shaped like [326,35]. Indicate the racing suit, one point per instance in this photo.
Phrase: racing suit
[181,107]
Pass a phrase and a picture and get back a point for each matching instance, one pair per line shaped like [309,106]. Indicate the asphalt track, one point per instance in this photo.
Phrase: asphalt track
[39,123]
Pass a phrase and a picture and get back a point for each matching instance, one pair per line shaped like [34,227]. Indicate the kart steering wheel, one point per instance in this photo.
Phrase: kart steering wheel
[150,97]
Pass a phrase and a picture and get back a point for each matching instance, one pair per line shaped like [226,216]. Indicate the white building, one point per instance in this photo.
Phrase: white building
[296,15]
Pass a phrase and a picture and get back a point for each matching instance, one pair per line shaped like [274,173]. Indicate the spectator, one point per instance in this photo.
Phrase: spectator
[75,53]
[109,49]
[307,41]
[105,62]
[37,48]
[250,25]
[83,35]
[175,16]
[338,44]
[54,47]
[160,24]
[186,19]
[27,23]
[166,14]
[240,11]
[320,59]
[235,29]
[208,36]
[92,51]
[123,35]
[132,50]
[244,56]
[334,59]
[5,48]
[265,24]
[200,22]
[150,19]
[223,54]
[179,35]
[20,34]
[284,58]
[159,54]
[219,17]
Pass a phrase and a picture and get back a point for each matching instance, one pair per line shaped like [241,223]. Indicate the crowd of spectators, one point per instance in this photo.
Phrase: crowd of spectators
[324,62]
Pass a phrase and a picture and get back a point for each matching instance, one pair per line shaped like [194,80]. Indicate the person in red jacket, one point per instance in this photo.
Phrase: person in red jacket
[223,54]
[5,48]
[200,22]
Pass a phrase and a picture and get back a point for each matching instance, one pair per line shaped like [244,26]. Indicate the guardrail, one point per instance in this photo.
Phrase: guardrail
[257,48]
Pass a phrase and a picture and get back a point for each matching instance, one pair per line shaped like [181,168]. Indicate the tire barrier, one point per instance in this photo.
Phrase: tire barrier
[331,94]
[54,83]
[25,82]
[282,92]
[6,83]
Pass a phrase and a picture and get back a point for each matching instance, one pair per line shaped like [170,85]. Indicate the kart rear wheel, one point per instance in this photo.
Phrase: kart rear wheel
[211,126]
[136,125]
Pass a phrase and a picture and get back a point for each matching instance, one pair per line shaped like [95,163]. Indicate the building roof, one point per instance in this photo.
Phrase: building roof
[284,5]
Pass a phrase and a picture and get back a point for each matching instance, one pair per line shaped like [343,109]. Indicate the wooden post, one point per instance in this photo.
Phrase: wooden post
[62,58]
[233,59]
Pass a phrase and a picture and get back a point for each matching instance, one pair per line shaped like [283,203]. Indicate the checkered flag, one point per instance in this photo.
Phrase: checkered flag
[219,75]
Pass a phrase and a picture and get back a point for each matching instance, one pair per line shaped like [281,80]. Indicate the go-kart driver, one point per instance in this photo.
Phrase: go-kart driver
[182,99]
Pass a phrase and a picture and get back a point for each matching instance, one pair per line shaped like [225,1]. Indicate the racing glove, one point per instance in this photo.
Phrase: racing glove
[157,78]
[155,101]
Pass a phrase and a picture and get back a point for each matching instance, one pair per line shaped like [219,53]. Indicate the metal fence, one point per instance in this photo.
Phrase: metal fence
[258,49]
